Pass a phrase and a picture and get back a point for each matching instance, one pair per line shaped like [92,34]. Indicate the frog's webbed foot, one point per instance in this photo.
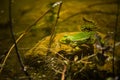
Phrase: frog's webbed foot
[73,44]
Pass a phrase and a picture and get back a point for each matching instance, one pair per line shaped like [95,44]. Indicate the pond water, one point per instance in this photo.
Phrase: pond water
[73,14]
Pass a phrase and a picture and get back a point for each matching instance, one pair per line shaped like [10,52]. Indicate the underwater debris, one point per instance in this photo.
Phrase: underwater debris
[77,59]
[73,60]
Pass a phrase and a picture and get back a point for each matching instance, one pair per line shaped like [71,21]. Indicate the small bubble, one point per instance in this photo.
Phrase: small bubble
[38,61]
[43,75]
[2,11]
[40,76]
[12,1]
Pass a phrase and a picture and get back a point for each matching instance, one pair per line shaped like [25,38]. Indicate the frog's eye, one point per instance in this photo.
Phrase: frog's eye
[67,41]
[65,36]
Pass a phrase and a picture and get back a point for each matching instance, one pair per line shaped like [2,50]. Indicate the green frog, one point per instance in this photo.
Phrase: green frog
[86,36]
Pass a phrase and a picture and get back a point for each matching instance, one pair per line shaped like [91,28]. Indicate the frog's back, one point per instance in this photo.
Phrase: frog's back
[80,36]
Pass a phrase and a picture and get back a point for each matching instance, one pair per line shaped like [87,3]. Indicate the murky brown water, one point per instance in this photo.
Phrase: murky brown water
[72,14]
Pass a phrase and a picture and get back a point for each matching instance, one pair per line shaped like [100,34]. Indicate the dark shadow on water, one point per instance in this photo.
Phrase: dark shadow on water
[106,3]
[89,12]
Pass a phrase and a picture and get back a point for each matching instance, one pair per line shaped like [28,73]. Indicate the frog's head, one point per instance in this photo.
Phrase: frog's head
[65,40]
[88,27]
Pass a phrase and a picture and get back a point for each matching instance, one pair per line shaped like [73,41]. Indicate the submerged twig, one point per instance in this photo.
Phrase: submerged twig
[53,33]
[63,73]
[16,48]
[86,58]
[115,34]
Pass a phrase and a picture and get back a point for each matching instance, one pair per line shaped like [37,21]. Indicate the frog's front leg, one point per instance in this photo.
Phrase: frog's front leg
[73,44]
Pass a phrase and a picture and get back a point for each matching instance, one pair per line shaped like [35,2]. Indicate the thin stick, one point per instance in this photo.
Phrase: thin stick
[16,48]
[86,58]
[54,27]
[115,34]
[63,73]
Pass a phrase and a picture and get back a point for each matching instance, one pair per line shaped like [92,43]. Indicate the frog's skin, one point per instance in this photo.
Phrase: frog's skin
[85,37]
